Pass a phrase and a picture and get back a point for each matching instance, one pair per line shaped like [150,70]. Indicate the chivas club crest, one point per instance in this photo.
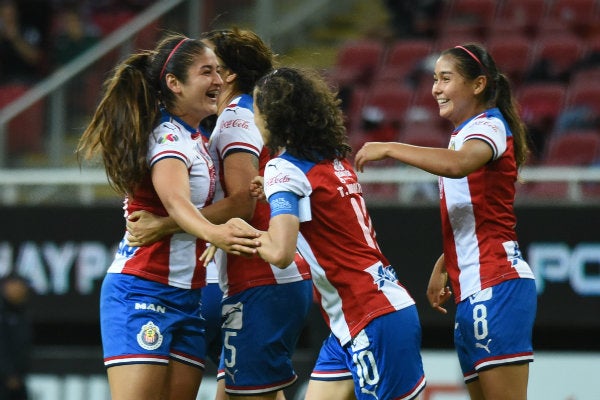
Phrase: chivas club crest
[149,336]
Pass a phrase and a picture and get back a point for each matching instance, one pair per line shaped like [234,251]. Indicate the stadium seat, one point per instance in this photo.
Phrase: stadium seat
[425,134]
[562,51]
[392,100]
[25,131]
[522,15]
[578,148]
[357,61]
[541,102]
[403,58]
[585,93]
[448,41]
[512,54]
[573,148]
[578,15]
[471,16]
[584,76]
[423,98]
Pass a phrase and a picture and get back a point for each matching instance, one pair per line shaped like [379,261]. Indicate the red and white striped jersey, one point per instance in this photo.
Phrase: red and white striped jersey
[354,281]
[174,259]
[478,220]
[235,131]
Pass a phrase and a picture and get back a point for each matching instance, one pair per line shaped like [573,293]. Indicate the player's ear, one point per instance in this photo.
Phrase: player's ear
[231,77]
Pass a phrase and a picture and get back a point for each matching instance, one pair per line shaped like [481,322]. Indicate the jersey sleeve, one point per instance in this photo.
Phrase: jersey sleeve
[281,176]
[168,141]
[236,132]
[491,131]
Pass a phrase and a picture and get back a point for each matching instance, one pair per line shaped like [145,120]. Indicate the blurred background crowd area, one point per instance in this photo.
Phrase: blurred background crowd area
[379,55]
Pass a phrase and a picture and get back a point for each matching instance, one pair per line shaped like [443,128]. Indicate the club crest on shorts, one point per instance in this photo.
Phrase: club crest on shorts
[149,337]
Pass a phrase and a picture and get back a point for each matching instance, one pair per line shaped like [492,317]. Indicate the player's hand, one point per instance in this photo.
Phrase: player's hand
[144,228]
[438,298]
[371,151]
[437,290]
[236,236]
[257,188]
[208,255]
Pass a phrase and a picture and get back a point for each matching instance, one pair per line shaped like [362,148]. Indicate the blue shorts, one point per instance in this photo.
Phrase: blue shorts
[145,322]
[494,327]
[384,359]
[211,311]
[260,331]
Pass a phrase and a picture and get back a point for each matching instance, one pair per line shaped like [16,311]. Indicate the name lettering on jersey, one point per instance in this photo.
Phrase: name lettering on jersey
[279,178]
[235,123]
[152,307]
[351,188]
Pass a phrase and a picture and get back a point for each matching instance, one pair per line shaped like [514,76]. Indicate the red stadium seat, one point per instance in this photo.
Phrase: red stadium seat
[424,99]
[522,15]
[25,131]
[541,102]
[403,58]
[392,100]
[425,134]
[562,51]
[357,61]
[585,94]
[448,41]
[578,15]
[573,148]
[512,55]
[472,16]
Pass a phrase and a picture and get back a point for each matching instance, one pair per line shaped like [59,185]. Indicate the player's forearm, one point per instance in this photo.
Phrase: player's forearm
[278,244]
[274,253]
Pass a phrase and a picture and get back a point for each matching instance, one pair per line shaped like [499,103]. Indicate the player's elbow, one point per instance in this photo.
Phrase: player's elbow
[282,259]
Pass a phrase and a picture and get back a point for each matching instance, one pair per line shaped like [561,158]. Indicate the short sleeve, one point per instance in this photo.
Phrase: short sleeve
[168,141]
[283,176]
[490,130]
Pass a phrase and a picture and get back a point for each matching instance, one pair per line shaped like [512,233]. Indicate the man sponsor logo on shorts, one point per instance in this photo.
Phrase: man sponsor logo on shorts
[152,307]
[149,337]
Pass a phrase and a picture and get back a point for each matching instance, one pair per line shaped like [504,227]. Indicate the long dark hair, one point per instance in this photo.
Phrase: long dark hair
[129,109]
[473,60]
[244,53]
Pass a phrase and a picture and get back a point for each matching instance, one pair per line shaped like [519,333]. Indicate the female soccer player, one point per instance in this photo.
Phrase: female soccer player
[374,348]
[493,286]
[146,129]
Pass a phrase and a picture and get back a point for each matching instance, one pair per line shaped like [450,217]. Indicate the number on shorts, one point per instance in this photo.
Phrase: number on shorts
[229,362]
[366,368]
[480,328]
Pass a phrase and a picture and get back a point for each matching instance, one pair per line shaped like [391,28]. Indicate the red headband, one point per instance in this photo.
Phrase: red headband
[162,71]
[474,57]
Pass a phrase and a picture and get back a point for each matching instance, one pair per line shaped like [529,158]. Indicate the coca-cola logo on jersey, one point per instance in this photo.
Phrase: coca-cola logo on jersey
[235,123]
[280,178]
